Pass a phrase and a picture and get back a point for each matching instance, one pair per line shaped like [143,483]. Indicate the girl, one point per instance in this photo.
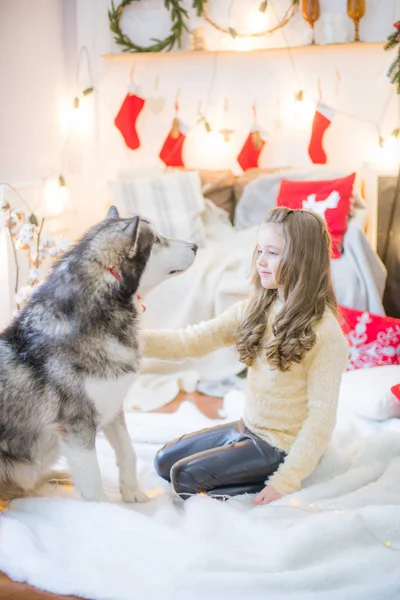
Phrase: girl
[288,336]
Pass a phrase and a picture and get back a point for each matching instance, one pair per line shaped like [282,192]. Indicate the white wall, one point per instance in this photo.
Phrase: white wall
[32,75]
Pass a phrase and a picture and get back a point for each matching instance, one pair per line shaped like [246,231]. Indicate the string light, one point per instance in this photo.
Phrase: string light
[61,181]
[293,505]
[232,32]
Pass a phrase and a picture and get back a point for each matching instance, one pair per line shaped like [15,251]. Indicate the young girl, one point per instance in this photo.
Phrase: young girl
[288,336]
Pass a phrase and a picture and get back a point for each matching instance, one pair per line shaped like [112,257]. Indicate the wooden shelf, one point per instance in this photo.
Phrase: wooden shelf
[191,53]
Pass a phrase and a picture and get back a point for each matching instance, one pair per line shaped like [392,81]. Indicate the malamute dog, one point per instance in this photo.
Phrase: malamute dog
[69,357]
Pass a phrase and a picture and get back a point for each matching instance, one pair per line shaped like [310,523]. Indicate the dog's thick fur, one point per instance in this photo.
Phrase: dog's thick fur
[69,357]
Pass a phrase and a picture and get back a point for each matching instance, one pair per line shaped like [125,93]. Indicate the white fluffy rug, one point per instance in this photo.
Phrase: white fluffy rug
[339,538]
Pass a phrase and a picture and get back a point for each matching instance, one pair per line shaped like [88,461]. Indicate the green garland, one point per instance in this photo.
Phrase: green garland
[394,69]
[179,23]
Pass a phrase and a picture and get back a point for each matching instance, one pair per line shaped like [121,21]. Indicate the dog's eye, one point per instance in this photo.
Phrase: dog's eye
[157,240]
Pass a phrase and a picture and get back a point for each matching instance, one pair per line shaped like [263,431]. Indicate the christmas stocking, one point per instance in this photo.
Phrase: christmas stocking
[251,150]
[171,152]
[322,119]
[126,118]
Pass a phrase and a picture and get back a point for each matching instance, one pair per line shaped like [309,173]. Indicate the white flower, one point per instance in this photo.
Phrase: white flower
[64,245]
[16,215]
[34,276]
[23,295]
[26,233]
[4,205]
[47,242]
[21,245]
[53,252]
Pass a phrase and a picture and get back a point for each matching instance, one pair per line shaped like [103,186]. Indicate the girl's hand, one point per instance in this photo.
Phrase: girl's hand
[267,495]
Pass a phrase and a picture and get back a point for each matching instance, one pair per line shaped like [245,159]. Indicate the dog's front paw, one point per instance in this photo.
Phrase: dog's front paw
[133,494]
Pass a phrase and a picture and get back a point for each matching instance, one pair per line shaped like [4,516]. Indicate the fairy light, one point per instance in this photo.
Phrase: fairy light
[299,96]
[385,154]
[299,111]
[257,19]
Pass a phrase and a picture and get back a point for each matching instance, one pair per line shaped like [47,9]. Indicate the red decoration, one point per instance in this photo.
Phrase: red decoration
[396,391]
[251,150]
[171,152]
[322,119]
[330,199]
[373,340]
[396,25]
[126,119]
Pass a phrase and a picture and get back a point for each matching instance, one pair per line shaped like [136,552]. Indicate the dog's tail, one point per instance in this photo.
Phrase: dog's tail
[11,491]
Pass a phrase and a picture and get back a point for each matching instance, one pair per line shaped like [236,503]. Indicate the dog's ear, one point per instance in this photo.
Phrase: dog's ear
[131,230]
[112,213]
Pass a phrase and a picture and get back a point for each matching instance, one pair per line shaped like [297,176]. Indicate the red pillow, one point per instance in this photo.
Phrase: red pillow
[373,340]
[330,198]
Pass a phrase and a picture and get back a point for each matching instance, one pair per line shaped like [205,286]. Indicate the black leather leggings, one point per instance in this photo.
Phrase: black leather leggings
[224,460]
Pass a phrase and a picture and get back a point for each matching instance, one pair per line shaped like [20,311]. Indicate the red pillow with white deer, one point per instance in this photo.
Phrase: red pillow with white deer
[373,340]
[331,199]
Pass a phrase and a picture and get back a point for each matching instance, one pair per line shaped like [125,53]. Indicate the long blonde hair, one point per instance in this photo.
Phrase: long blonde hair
[304,275]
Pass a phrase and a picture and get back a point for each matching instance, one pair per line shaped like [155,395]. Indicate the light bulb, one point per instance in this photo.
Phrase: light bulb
[256,21]
[56,196]
[299,112]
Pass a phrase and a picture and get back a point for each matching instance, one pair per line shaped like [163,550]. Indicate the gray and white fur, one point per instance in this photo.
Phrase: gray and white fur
[69,357]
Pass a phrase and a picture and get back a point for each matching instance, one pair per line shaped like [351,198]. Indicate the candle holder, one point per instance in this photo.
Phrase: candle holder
[356,10]
[310,11]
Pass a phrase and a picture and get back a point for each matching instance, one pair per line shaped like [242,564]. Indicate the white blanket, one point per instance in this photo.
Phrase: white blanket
[329,541]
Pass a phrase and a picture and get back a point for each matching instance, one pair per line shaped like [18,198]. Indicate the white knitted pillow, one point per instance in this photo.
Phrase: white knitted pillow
[173,202]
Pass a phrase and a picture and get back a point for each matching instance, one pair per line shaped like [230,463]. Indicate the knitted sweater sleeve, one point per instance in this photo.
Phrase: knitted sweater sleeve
[325,365]
[195,340]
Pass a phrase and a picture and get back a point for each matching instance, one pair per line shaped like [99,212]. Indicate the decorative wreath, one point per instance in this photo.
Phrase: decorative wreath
[179,17]
[179,24]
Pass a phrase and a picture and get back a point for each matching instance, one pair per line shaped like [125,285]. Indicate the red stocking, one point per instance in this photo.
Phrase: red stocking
[126,119]
[171,152]
[322,119]
[251,150]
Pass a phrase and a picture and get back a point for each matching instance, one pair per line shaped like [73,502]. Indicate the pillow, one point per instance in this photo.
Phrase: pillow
[373,340]
[173,202]
[372,393]
[217,186]
[330,198]
[250,175]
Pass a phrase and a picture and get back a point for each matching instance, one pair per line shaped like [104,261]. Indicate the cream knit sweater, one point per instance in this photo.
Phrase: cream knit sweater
[293,410]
